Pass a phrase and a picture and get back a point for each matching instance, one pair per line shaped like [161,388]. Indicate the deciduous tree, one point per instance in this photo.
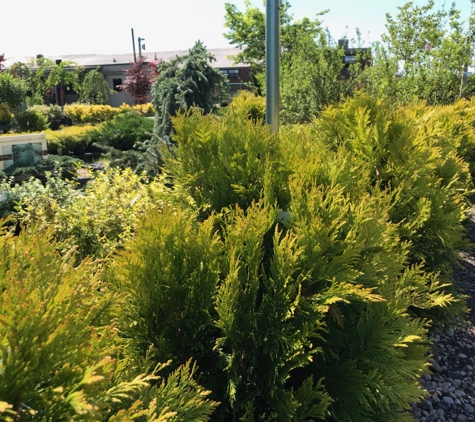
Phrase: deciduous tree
[139,78]
[95,88]
[423,54]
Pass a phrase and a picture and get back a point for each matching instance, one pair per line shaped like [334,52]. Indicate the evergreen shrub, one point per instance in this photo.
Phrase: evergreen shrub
[222,162]
[122,131]
[61,357]
[68,137]
[85,113]
[32,120]
[51,111]
[250,105]
[283,265]
[417,164]
[6,117]
[97,113]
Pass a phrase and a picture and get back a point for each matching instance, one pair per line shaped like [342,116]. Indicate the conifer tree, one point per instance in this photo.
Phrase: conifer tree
[183,82]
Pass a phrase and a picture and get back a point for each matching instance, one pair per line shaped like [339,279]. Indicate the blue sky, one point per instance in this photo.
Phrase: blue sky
[30,27]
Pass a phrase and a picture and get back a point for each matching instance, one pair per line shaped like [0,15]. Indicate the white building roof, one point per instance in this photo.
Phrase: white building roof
[223,58]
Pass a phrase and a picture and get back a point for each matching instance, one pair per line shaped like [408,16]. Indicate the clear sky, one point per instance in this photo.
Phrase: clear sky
[51,27]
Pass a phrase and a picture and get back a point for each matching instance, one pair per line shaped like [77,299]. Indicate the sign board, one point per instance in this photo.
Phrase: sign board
[22,150]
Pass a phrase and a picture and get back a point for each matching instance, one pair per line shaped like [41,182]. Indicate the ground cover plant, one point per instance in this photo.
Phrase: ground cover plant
[123,131]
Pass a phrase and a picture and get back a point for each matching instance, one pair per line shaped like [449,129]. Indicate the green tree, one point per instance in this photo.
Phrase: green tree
[311,78]
[247,30]
[311,61]
[95,88]
[12,91]
[42,75]
[183,82]
[423,55]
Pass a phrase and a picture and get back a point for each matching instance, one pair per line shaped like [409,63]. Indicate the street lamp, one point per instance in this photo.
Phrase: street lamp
[141,46]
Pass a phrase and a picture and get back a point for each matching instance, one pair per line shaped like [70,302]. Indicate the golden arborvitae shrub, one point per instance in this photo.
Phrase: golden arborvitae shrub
[62,359]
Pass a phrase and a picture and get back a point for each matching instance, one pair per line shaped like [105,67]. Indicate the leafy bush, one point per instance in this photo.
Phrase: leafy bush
[12,91]
[250,105]
[95,88]
[6,117]
[147,109]
[51,111]
[123,131]
[62,359]
[68,138]
[97,220]
[32,120]
[85,113]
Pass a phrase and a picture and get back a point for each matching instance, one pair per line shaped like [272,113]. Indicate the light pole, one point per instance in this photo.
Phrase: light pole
[133,44]
[273,64]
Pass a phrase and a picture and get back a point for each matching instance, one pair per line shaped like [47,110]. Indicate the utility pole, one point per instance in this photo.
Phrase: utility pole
[140,46]
[273,64]
[133,44]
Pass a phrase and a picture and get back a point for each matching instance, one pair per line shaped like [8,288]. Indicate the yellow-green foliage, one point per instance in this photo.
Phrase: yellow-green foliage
[59,352]
[145,109]
[218,166]
[313,250]
[318,303]
[449,127]
[97,220]
[413,160]
[96,113]
[298,270]
[249,105]
[67,138]
[85,113]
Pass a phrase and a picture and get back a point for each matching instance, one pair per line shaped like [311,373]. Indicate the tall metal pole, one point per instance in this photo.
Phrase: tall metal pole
[273,64]
[133,44]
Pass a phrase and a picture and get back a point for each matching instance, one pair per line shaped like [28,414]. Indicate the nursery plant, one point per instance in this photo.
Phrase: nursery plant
[61,357]
[287,276]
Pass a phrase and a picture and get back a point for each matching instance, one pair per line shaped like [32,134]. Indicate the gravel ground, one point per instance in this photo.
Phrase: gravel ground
[451,382]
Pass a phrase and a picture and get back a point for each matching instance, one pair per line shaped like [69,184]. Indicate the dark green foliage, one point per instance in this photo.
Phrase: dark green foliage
[123,131]
[183,82]
[311,78]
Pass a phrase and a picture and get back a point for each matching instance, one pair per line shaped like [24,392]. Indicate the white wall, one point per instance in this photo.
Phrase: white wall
[116,72]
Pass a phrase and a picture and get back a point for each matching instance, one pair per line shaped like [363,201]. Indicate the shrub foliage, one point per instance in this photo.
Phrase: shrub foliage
[293,275]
